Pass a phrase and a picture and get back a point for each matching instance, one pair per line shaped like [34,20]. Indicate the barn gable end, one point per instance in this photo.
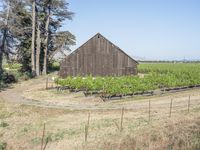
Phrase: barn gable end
[98,57]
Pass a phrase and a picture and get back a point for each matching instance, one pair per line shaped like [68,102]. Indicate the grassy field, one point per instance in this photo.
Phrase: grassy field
[167,67]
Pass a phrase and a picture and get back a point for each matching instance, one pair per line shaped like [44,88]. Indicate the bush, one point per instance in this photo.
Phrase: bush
[12,76]
[12,66]
[8,78]
[54,66]
[26,76]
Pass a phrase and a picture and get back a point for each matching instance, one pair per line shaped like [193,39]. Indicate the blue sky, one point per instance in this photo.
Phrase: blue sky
[154,29]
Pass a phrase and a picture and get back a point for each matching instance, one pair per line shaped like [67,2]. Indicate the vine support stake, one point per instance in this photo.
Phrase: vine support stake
[189,104]
[170,111]
[122,118]
[87,127]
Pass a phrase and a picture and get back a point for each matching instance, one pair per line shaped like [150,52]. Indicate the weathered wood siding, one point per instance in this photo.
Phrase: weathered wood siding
[98,57]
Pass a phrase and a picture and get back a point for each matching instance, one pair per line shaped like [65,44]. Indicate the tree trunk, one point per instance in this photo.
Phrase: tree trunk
[1,63]
[2,47]
[2,50]
[38,49]
[33,64]
[46,40]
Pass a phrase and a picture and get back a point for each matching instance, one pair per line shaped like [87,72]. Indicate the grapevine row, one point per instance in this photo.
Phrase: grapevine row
[156,76]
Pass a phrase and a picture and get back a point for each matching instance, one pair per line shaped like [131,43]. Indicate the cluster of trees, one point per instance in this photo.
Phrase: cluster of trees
[29,29]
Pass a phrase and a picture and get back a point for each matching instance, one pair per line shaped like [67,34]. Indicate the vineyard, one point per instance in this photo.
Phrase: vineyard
[155,76]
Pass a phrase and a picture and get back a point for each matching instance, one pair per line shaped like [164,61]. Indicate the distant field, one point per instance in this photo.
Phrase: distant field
[151,76]
[168,67]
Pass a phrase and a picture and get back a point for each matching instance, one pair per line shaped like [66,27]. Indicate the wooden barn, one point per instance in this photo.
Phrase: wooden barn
[98,57]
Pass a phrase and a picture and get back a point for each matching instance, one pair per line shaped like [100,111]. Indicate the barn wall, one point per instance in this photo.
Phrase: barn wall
[98,57]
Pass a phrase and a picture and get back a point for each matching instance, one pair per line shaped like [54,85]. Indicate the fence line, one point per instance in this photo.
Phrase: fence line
[44,141]
[149,116]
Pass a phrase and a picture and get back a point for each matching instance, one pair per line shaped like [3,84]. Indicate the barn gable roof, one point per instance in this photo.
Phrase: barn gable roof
[100,35]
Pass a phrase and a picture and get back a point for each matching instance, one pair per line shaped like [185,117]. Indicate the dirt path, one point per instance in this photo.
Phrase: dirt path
[14,92]
[33,92]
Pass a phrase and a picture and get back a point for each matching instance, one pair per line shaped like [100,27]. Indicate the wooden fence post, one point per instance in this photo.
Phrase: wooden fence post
[149,110]
[46,142]
[87,127]
[47,83]
[189,104]
[86,132]
[122,118]
[170,111]
[88,123]
[43,137]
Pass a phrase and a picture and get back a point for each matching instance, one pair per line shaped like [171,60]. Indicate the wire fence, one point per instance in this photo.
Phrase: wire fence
[171,107]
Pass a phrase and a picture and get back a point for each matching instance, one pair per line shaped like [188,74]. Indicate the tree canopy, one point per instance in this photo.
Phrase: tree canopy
[30,30]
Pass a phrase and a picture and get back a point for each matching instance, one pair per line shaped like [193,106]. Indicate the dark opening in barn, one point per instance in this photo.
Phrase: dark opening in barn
[98,57]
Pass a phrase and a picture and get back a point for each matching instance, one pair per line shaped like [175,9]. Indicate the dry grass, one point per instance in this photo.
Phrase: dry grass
[65,128]
[183,134]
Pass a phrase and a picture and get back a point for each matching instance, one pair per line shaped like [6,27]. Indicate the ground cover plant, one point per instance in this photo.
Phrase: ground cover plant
[156,76]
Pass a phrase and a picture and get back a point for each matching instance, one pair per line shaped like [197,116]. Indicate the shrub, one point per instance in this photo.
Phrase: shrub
[12,66]
[8,78]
